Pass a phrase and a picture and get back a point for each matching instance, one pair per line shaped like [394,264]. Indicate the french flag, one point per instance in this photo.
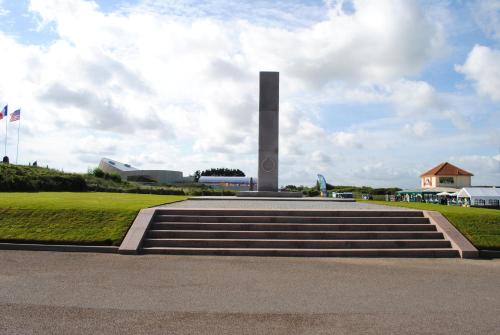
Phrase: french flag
[4,112]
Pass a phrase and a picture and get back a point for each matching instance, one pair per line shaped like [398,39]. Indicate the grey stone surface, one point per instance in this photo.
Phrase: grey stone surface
[268,131]
[58,247]
[269,194]
[466,249]
[218,198]
[281,204]
[71,293]
[133,240]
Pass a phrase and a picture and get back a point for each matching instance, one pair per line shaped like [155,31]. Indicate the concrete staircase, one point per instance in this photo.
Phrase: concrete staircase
[321,233]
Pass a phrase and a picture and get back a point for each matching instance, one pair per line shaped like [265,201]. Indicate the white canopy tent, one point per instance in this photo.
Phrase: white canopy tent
[481,196]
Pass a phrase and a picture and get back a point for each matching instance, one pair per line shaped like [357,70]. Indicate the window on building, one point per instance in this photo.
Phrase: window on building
[479,202]
[494,202]
[446,180]
[427,181]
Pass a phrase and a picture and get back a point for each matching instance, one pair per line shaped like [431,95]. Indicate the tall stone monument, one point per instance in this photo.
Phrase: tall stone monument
[268,131]
[267,183]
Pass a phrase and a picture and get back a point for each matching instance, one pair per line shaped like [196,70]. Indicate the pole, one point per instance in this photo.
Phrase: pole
[18,128]
[6,122]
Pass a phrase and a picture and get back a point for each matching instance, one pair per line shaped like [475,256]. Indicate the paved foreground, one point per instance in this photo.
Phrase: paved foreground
[78,293]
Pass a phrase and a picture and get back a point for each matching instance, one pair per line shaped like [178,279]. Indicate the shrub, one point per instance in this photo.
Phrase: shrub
[98,173]
[313,193]
[113,176]
[211,192]
[32,179]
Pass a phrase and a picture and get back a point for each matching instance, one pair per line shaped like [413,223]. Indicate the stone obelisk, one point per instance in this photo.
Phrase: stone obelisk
[268,131]
[267,182]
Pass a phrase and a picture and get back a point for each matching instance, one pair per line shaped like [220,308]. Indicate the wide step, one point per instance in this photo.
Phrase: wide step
[293,244]
[324,213]
[306,252]
[290,219]
[290,227]
[302,235]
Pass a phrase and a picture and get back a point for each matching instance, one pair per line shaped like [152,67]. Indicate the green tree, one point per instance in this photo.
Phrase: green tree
[197,175]
[223,172]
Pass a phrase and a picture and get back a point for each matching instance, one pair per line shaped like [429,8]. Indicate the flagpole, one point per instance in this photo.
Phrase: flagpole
[17,149]
[6,122]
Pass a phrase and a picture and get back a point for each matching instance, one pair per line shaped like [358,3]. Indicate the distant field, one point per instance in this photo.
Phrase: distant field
[481,226]
[72,218]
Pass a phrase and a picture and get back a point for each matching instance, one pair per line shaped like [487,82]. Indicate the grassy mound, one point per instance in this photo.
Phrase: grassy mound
[18,178]
[480,225]
[31,179]
[72,218]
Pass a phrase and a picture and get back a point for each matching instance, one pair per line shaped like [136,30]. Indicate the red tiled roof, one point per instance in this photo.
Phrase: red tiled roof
[446,169]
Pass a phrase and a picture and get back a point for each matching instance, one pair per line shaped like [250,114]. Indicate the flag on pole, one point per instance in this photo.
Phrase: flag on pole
[16,116]
[4,112]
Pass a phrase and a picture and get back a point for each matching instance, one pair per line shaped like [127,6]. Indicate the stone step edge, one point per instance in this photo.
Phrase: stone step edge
[58,247]
[293,212]
[298,244]
[457,240]
[415,218]
[283,235]
[406,253]
[289,220]
[289,240]
[156,225]
[297,231]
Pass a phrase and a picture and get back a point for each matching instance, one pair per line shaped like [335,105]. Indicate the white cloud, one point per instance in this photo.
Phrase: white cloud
[487,15]
[486,169]
[3,10]
[483,68]
[408,97]
[370,44]
[482,163]
[176,91]
[377,170]
[344,139]
[412,97]
[419,129]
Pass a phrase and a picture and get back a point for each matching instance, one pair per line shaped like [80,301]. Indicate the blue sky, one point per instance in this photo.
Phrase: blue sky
[372,93]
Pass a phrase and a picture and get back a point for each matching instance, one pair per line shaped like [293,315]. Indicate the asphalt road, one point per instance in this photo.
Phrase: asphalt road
[80,293]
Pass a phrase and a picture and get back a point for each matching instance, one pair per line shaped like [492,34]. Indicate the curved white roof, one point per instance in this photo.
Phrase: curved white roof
[479,192]
[118,165]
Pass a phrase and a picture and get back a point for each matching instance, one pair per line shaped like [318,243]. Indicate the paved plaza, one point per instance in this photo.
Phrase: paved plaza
[305,203]
[85,293]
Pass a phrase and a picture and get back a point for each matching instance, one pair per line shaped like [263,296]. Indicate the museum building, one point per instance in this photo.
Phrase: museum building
[130,173]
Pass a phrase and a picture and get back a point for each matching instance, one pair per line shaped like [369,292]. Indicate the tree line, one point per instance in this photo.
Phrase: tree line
[219,172]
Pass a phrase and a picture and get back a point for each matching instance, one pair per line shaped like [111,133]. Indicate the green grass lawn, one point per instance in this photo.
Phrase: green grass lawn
[72,218]
[480,225]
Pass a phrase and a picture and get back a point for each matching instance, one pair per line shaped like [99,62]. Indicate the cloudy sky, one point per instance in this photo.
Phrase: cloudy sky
[372,92]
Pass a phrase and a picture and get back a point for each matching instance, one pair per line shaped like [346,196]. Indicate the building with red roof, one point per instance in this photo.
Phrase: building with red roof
[446,175]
